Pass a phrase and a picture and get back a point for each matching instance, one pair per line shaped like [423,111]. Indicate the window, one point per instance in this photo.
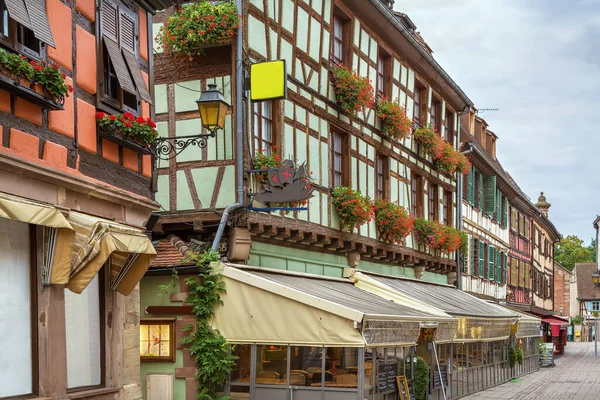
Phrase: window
[447,208]
[514,220]
[24,26]
[83,315]
[382,172]
[449,125]
[434,112]
[434,209]
[478,188]
[417,195]
[340,51]
[19,323]
[262,125]
[419,98]
[339,154]
[157,340]
[514,272]
[121,82]
[595,305]
[383,75]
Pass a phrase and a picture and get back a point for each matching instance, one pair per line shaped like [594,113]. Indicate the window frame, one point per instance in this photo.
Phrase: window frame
[11,40]
[384,75]
[417,191]
[344,39]
[433,198]
[435,117]
[344,155]
[382,175]
[418,106]
[447,214]
[172,349]
[260,116]
[449,125]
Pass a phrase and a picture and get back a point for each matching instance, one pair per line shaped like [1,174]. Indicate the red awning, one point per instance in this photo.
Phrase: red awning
[555,324]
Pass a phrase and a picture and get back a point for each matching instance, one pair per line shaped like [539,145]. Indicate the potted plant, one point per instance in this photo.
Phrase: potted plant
[141,130]
[16,67]
[199,25]
[352,91]
[421,381]
[52,80]
[264,161]
[394,222]
[427,138]
[454,240]
[428,233]
[394,121]
[353,208]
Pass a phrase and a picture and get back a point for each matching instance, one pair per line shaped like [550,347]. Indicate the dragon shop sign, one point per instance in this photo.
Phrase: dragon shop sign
[286,185]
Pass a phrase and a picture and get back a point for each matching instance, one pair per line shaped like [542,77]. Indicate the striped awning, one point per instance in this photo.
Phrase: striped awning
[126,251]
[58,233]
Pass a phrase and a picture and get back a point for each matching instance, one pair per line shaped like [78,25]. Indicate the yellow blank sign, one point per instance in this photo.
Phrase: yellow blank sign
[268,80]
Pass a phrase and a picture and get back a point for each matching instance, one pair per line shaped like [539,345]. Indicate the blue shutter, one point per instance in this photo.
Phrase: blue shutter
[481,268]
[491,258]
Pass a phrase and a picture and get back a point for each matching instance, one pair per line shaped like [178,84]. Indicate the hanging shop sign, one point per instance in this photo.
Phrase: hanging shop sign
[268,80]
[285,184]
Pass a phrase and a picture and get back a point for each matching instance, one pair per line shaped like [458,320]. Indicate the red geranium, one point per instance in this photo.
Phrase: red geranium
[352,91]
[353,208]
[394,121]
[394,222]
[128,125]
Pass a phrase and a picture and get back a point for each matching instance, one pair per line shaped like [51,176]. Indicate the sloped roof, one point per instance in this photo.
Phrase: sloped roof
[171,252]
[586,290]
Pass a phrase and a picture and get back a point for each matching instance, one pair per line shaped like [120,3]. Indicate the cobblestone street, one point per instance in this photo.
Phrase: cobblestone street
[575,376]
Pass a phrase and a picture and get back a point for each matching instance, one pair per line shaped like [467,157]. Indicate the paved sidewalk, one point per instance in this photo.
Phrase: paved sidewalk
[575,376]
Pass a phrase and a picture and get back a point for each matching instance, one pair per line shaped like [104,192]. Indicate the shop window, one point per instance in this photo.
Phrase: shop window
[18,332]
[433,202]
[240,373]
[262,126]
[339,159]
[157,341]
[416,195]
[382,177]
[83,319]
[271,365]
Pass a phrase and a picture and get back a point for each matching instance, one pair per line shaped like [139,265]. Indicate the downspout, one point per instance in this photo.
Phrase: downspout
[398,25]
[239,130]
[459,190]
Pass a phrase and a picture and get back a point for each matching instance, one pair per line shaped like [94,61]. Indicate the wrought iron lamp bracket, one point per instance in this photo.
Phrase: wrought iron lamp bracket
[167,148]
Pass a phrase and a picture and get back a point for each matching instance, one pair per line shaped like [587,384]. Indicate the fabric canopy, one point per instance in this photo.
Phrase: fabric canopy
[555,321]
[59,249]
[265,307]
[127,251]
[527,325]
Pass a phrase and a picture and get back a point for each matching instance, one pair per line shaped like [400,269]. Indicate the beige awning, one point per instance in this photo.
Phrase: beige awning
[126,251]
[58,250]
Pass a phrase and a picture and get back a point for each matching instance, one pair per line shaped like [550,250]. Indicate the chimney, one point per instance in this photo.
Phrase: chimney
[543,205]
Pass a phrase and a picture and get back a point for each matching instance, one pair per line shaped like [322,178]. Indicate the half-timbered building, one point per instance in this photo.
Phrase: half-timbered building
[73,203]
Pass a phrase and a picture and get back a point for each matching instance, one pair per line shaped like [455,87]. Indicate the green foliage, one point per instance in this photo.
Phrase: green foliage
[51,78]
[592,247]
[512,356]
[421,379]
[165,289]
[576,320]
[141,129]
[353,208]
[16,64]
[596,314]
[212,353]
[520,356]
[571,250]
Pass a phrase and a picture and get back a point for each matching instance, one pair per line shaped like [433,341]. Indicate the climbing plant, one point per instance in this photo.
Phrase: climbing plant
[213,355]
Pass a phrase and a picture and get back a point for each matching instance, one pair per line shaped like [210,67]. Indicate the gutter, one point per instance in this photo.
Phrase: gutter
[398,25]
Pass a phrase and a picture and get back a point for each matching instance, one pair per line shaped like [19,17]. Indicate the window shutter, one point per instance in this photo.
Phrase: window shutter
[480,192]
[18,12]
[499,206]
[471,186]
[481,259]
[108,20]
[136,73]
[126,31]
[491,254]
[473,256]
[498,265]
[489,195]
[505,217]
[39,21]
[504,262]
[119,65]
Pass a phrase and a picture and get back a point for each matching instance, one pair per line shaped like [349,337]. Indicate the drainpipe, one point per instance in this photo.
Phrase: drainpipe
[239,104]
[222,224]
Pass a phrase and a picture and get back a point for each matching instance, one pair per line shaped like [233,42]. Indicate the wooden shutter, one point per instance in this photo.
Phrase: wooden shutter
[126,30]
[505,216]
[136,73]
[471,186]
[480,192]
[39,21]
[481,259]
[119,65]
[18,12]
[504,262]
[108,20]
[498,266]
[489,196]
[473,256]
[499,206]
[491,262]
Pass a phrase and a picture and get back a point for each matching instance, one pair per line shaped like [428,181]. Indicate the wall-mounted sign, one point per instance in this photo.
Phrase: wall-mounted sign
[268,80]
[286,184]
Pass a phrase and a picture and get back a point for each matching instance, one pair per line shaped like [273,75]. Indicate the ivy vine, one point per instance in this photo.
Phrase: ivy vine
[213,355]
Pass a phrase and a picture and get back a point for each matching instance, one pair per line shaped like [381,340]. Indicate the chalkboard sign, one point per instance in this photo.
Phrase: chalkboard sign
[547,356]
[405,393]
[386,377]
[411,391]
[437,382]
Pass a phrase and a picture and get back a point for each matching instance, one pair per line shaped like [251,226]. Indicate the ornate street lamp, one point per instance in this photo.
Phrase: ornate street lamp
[213,109]
[595,277]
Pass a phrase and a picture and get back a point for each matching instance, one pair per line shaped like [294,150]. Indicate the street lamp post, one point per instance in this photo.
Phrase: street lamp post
[595,279]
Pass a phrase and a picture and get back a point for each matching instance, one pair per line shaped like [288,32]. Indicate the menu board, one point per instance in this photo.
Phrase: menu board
[386,377]
[547,356]
[437,382]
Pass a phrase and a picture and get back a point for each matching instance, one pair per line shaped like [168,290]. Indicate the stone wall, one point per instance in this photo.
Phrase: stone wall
[131,346]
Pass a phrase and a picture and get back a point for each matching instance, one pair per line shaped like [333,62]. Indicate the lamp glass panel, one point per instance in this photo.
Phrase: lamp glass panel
[209,114]
[223,107]
[595,278]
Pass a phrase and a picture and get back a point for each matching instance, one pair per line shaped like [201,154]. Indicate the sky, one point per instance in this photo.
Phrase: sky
[538,62]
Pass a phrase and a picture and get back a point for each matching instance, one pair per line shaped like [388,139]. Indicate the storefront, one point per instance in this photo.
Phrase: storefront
[555,331]
[307,337]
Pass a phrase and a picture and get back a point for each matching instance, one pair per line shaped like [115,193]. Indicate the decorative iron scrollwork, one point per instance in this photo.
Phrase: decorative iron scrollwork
[167,148]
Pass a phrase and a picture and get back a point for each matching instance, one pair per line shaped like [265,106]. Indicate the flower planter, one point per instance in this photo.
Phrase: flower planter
[353,208]
[394,222]
[36,87]
[353,93]
[117,137]
[124,129]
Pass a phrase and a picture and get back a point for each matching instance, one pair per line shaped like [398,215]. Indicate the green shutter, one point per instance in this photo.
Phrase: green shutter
[473,260]
[481,259]
[480,190]
[504,262]
[471,186]
[498,206]
[498,266]
[489,194]
[491,258]
[505,217]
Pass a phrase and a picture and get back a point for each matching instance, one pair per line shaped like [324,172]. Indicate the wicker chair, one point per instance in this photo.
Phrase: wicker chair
[268,375]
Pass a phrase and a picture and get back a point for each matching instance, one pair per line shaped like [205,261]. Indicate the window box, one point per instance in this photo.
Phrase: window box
[115,136]
[31,95]
[126,130]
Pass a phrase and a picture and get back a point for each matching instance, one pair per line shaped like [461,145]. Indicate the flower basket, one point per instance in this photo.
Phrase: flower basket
[394,222]
[140,130]
[197,26]
[52,80]
[444,155]
[353,92]
[394,121]
[15,66]
[428,233]
[353,208]
[264,161]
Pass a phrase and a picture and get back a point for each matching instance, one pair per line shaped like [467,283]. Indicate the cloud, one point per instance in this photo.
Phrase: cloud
[538,61]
